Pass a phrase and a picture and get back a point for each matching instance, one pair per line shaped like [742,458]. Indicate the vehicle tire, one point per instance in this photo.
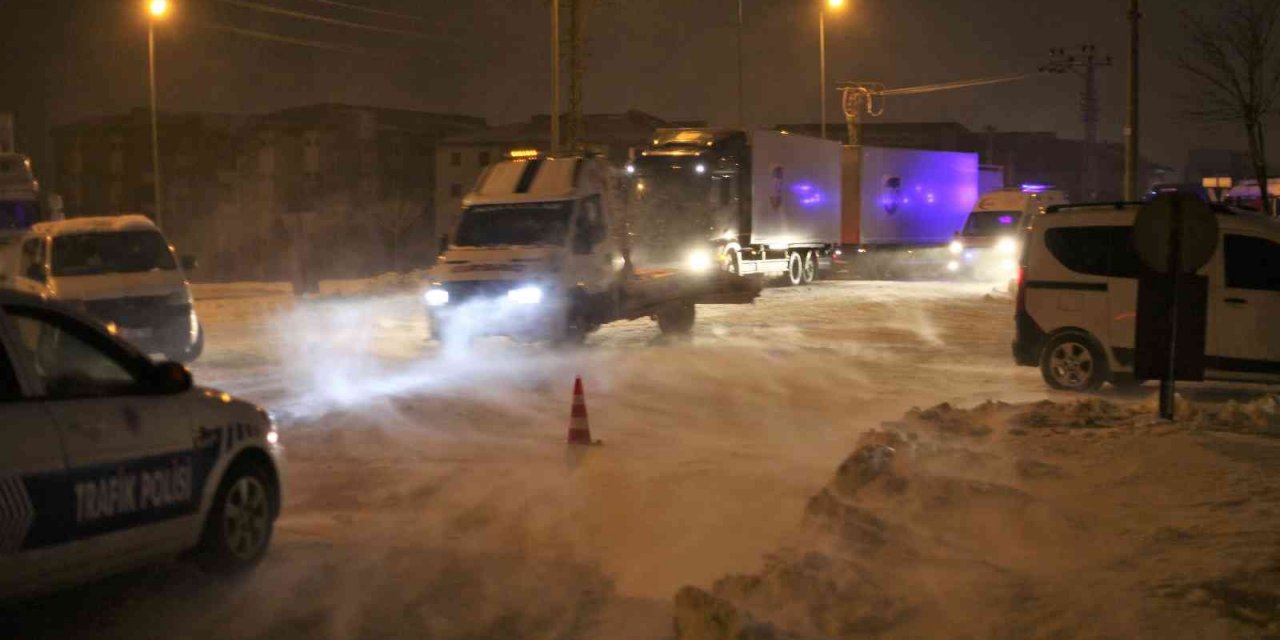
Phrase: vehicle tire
[574,330]
[677,318]
[795,269]
[1073,362]
[238,529]
[809,271]
[191,353]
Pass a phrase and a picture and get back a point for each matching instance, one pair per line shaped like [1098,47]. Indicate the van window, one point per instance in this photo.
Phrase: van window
[85,254]
[990,223]
[32,256]
[1252,263]
[1095,251]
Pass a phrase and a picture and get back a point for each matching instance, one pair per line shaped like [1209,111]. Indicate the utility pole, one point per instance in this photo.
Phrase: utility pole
[1131,140]
[577,16]
[555,77]
[1085,63]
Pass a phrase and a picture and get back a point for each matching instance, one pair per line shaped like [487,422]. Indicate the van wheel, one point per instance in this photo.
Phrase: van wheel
[238,529]
[795,269]
[1071,362]
[677,318]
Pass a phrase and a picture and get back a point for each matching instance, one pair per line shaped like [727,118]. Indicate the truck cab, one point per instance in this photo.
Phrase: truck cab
[534,253]
[988,245]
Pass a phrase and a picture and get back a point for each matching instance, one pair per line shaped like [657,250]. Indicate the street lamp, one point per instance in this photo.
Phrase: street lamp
[822,56]
[157,9]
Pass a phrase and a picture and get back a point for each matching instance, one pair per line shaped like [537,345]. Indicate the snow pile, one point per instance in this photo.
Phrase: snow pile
[954,522]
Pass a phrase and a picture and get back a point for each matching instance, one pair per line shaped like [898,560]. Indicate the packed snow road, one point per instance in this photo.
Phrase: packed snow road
[429,492]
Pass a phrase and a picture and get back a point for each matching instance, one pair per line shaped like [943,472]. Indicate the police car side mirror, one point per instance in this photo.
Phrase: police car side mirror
[189,263]
[172,378]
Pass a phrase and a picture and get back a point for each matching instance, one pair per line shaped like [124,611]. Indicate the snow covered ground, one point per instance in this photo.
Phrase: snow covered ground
[430,494]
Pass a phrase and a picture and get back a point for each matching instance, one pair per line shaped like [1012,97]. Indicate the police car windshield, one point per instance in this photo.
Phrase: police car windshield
[87,254]
[533,224]
[990,223]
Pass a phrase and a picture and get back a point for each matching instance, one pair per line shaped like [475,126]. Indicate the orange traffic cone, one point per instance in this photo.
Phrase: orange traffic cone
[579,429]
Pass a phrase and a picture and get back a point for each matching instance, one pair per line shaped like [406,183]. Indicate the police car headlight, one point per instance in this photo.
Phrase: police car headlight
[956,247]
[525,295]
[699,260]
[1007,246]
[436,297]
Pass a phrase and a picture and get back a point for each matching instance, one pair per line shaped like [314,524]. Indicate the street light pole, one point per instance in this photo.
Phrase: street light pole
[158,8]
[555,77]
[1131,139]
[822,65]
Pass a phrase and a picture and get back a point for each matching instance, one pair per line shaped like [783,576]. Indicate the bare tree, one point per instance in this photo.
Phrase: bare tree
[1233,57]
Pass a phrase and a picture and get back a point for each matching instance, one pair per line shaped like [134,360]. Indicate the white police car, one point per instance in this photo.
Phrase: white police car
[109,460]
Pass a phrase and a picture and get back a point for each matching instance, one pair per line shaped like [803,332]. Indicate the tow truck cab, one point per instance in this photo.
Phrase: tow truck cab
[534,253]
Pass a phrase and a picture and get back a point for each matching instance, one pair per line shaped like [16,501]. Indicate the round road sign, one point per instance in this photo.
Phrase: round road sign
[1175,219]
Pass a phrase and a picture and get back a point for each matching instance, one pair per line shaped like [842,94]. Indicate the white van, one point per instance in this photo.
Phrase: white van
[118,269]
[1078,297]
[988,245]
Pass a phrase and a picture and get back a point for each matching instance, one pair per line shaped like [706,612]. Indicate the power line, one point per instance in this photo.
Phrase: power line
[379,12]
[262,35]
[333,21]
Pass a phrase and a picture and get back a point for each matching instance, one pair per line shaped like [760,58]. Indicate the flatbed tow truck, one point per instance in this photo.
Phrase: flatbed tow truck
[541,252]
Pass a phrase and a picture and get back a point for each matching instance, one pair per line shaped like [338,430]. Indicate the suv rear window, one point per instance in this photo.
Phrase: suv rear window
[1095,251]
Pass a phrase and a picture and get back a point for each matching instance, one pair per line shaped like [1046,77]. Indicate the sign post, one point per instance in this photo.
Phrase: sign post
[1174,236]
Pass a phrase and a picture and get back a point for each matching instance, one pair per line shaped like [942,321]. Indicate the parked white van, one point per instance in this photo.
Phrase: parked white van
[988,245]
[118,269]
[1078,297]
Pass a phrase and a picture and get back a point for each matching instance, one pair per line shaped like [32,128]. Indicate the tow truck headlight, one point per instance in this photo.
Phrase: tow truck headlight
[699,260]
[525,295]
[956,247]
[1007,246]
[436,297]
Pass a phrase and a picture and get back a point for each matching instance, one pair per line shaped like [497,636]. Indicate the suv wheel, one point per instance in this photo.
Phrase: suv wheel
[1073,362]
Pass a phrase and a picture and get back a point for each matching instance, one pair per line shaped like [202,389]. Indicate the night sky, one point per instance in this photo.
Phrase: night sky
[67,59]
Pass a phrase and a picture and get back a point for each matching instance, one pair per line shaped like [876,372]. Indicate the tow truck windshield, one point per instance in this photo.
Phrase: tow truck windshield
[88,254]
[990,223]
[533,224]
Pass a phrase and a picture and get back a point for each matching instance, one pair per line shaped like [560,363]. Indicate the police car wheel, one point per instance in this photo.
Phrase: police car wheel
[239,526]
[1072,362]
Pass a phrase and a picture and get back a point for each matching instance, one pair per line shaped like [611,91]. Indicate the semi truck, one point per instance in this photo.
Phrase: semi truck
[778,204]
[542,252]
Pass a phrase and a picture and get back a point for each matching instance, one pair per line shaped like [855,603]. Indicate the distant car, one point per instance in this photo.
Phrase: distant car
[109,460]
[119,270]
[988,246]
[1078,295]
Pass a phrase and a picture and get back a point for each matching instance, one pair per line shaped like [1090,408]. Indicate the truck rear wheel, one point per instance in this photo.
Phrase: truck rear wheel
[795,269]
[810,270]
[677,318]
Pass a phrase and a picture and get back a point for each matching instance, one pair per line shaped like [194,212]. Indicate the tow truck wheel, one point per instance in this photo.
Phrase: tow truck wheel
[810,271]
[795,269]
[677,318]
[731,262]
[574,331]
[238,529]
